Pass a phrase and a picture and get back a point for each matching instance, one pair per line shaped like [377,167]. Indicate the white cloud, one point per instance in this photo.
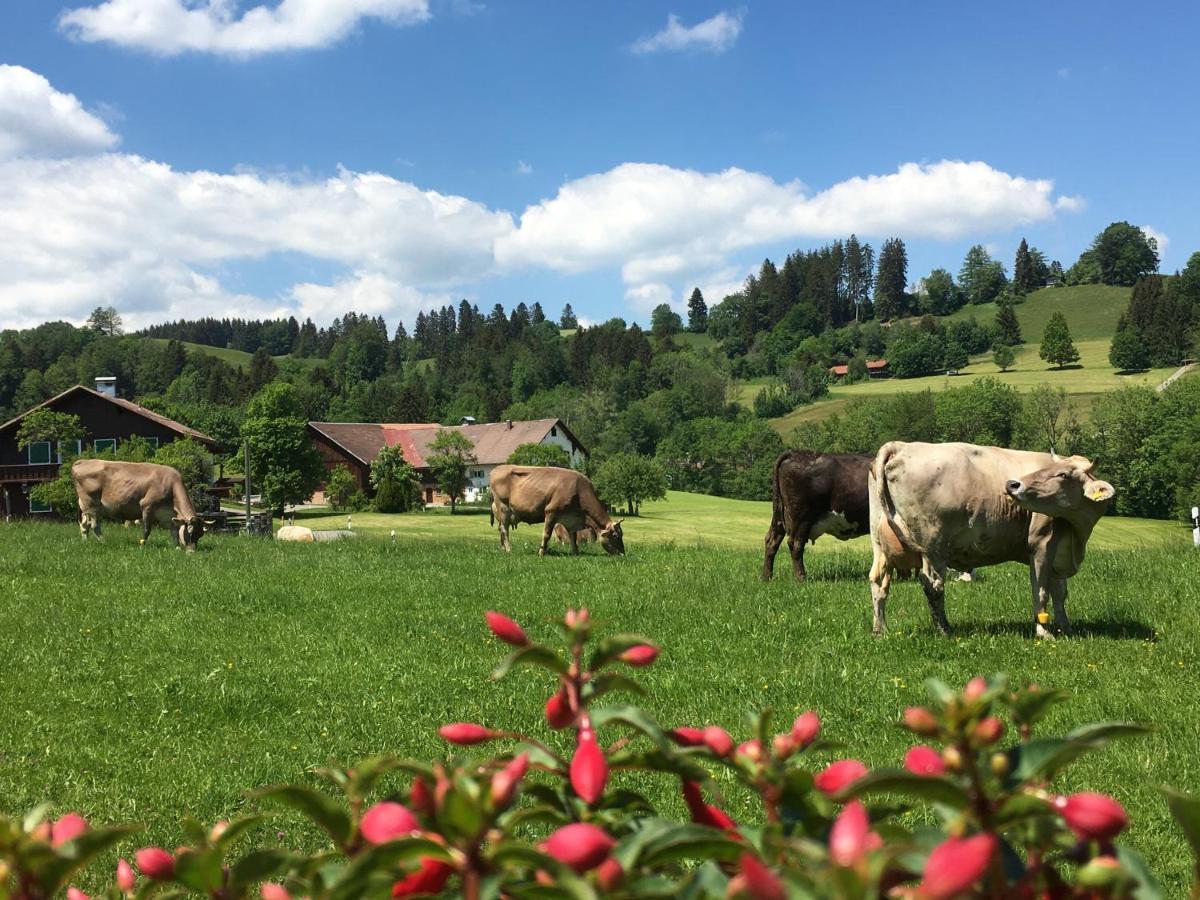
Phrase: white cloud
[365,292]
[37,120]
[169,27]
[524,168]
[1159,238]
[1068,203]
[715,35]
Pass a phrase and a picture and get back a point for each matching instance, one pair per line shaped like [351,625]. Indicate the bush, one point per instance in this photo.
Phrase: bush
[978,783]
[539,455]
[358,502]
[339,486]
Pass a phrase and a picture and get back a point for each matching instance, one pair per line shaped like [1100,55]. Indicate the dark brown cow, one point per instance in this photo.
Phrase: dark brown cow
[551,495]
[815,494]
[135,491]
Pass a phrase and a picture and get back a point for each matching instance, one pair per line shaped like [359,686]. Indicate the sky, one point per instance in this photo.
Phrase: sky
[253,158]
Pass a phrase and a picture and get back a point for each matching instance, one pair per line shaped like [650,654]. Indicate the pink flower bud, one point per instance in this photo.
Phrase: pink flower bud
[420,797]
[848,837]
[705,813]
[466,734]
[921,721]
[74,893]
[806,728]
[975,689]
[761,883]
[838,775]
[430,878]
[639,656]
[752,750]
[387,821]
[581,846]
[126,879]
[217,830]
[924,761]
[69,827]
[558,710]
[687,737]
[589,768]
[717,740]
[609,875]
[576,618]
[988,731]
[1093,817]
[783,745]
[955,865]
[155,863]
[272,891]
[506,629]
[504,782]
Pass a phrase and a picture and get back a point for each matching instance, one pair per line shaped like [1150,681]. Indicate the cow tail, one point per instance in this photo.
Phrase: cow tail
[777,511]
[883,494]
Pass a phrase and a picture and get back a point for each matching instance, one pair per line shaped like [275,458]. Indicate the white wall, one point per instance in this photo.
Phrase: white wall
[479,482]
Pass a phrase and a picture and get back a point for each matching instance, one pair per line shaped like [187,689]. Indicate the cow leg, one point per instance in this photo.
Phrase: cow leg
[796,544]
[774,538]
[1041,593]
[505,543]
[574,542]
[1058,591]
[547,533]
[881,583]
[933,581]
[85,524]
[147,520]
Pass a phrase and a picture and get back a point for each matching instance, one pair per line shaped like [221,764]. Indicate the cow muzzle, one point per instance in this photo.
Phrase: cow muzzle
[1014,489]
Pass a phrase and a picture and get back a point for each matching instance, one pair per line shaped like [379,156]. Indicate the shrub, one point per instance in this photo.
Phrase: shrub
[539,455]
[339,486]
[978,781]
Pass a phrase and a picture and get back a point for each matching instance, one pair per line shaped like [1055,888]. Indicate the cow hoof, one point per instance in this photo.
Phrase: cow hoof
[1042,634]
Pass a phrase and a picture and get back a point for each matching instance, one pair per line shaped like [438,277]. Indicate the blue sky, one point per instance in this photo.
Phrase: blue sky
[218,157]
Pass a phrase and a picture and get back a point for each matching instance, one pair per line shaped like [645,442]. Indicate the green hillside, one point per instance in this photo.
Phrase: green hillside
[239,357]
[1091,311]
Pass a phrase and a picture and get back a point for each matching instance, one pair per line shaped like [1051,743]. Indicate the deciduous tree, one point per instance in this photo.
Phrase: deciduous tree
[285,469]
[451,452]
[1057,346]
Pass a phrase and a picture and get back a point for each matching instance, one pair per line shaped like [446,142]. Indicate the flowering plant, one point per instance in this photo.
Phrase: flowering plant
[534,818]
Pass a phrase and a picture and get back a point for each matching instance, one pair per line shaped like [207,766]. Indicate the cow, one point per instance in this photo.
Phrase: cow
[584,535]
[815,494]
[940,505]
[551,495]
[297,533]
[140,491]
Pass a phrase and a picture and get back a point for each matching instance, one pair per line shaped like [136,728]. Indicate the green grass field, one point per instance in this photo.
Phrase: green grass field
[144,683]
[239,357]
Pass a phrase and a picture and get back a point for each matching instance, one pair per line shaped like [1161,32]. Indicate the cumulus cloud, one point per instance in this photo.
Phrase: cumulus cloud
[1159,238]
[715,35]
[37,120]
[169,27]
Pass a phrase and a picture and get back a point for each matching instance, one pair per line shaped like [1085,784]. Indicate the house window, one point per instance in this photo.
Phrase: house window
[39,453]
[102,444]
[477,473]
[553,431]
[36,506]
[64,444]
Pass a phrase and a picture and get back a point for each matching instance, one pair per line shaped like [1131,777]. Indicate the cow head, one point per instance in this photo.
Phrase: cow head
[611,538]
[1063,488]
[190,531]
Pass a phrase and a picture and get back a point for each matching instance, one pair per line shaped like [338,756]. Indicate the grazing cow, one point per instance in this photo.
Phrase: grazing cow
[583,535]
[141,491]
[551,495]
[815,494]
[940,505]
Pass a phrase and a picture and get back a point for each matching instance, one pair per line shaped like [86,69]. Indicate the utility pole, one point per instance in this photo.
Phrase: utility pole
[246,448]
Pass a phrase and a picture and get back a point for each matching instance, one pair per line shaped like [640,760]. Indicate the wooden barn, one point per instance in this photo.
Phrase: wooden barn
[356,444]
[108,421]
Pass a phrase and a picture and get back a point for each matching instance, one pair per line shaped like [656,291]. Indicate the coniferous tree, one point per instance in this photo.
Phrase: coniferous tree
[567,320]
[1057,346]
[1023,271]
[536,315]
[1008,329]
[860,277]
[1128,352]
[697,312]
[891,277]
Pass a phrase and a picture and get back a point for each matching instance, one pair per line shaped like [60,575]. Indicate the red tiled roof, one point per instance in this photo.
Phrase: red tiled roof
[873,365]
[126,404]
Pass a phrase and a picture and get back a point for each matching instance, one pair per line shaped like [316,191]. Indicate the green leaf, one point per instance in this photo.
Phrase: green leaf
[1103,731]
[236,829]
[690,842]
[939,690]
[368,772]
[533,655]
[1030,706]
[905,783]
[35,817]
[633,717]
[383,860]
[260,865]
[199,870]
[1148,887]
[318,807]
[1020,807]
[611,681]
[1185,808]
[538,756]
[56,868]
[613,646]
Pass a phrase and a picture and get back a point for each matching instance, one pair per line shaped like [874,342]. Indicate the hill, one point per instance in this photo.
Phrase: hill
[240,357]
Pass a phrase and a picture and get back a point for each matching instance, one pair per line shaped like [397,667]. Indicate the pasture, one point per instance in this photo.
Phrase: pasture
[143,683]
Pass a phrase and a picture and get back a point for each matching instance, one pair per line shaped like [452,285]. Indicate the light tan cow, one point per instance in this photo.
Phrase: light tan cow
[551,495]
[145,492]
[940,505]
[296,533]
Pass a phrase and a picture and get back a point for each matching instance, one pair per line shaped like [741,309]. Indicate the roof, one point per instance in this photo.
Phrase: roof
[129,405]
[494,442]
[873,365]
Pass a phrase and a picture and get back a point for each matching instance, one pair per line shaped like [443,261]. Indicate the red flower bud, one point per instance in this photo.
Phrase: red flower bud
[687,737]
[921,721]
[989,731]
[420,797]
[717,740]
[576,618]
[975,688]
[506,629]
[704,813]
[155,863]
[558,710]
[467,733]
[922,760]
[838,775]
[589,768]
[955,865]
[388,821]
[609,875]
[74,893]
[581,846]
[761,883]
[848,837]
[1093,817]
[806,728]
[126,880]
[69,827]
[430,878]
[752,750]
[639,656]
[504,782]
[271,891]
[783,745]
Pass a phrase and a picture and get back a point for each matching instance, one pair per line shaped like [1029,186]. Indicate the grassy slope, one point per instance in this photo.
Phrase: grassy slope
[175,682]
[238,357]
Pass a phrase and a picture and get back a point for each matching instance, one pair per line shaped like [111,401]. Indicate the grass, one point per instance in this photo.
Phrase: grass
[240,357]
[1091,311]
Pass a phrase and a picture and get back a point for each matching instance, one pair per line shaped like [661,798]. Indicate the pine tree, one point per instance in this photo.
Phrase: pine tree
[697,312]
[1057,347]
[1008,329]
[1128,351]
[536,315]
[568,320]
[1023,275]
[890,280]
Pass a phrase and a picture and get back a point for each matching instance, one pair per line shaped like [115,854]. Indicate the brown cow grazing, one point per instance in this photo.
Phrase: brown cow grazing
[940,505]
[551,496]
[141,491]
[815,494]
[583,535]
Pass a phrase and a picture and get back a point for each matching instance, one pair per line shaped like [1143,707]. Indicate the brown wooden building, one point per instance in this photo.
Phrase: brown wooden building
[108,421]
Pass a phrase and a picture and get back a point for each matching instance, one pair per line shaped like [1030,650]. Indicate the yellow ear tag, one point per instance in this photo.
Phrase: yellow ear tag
[1043,617]
[1097,494]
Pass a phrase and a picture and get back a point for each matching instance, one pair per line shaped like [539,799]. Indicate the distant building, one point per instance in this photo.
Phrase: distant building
[357,444]
[108,422]
[876,368]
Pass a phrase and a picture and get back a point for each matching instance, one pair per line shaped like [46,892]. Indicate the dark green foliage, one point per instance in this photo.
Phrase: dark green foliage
[981,278]
[450,453]
[665,322]
[986,411]
[1128,352]
[567,320]
[48,425]
[630,479]
[940,295]
[955,356]
[339,486]
[262,369]
[540,455]
[1030,270]
[891,278]
[914,352]
[721,457]
[1003,357]
[105,320]
[1161,313]
[697,312]
[1008,329]
[1057,347]
[973,337]
[193,461]
[285,468]
[1120,254]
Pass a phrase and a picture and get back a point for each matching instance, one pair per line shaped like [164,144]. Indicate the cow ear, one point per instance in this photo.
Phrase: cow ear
[1099,491]
[178,521]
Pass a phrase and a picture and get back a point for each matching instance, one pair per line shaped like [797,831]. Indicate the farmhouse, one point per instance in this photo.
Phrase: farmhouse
[357,444]
[108,421]
[876,368]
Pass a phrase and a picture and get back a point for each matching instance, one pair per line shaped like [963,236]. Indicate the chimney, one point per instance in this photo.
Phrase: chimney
[106,385]
[508,426]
